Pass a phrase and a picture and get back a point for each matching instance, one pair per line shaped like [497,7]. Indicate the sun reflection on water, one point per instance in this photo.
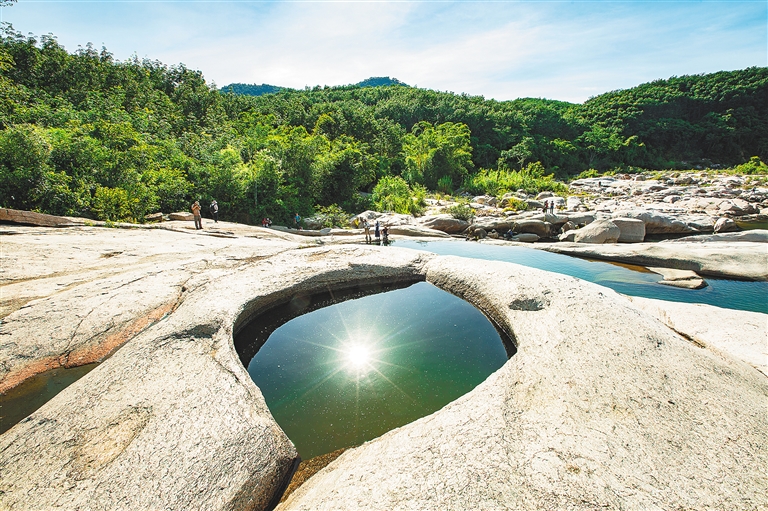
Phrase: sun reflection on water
[345,374]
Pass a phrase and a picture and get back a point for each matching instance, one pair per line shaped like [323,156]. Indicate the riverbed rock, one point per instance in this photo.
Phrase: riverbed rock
[181,215]
[739,334]
[724,224]
[599,231]
[747,260]
[171,420]
[656,222]
[588,414]
[417,231]
[686,279]
[525,238]
[632,229]
[444,223]
[537,227]
[16,216]
[572,203]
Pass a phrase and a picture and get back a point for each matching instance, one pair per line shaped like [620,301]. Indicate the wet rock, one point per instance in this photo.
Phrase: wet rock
[679,278]
[525,238]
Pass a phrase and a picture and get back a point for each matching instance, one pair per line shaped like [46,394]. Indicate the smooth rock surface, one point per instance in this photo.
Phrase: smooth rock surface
[172,420]
[740,260]
[445,223]
[619,414]
[599,231]
[739,334]
[603,405]
[686,279]
[632,229]
[31,218]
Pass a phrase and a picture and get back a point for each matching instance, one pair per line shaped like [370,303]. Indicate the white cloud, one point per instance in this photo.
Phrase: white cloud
[568,51]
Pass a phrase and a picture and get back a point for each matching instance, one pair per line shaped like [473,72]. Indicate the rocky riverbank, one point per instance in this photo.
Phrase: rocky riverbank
[609,402]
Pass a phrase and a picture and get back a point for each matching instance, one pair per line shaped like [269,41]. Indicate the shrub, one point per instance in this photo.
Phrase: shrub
[497,182]
[392,193]
[515,204]
[332,216]
[754,166]
[461,212]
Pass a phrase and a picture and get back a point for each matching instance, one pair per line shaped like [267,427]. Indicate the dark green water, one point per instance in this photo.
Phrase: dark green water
[626,279]
[21,401]
[348,373]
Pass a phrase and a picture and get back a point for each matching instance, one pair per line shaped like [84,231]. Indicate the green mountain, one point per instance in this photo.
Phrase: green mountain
[251,89]
[380,81]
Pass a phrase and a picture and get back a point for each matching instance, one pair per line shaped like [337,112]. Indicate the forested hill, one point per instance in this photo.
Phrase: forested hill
[246,89]
[83,134]
[251,89]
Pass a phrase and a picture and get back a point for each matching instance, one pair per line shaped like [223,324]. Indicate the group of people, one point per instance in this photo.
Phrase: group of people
[197,215]
[266,221]
[381,234]
[548,205]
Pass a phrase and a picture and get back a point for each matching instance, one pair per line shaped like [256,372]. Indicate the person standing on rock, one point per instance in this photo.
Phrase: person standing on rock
[367,229]
[552,207]
[376,233]
[215,211]
[196,214]
[297,219]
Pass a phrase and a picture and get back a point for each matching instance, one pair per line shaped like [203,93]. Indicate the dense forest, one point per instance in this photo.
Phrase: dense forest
[83,134]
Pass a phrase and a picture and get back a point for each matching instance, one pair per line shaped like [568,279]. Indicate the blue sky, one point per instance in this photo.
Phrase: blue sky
[566,50]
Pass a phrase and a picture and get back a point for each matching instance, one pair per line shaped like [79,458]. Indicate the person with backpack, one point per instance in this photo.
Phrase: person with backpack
[214,208]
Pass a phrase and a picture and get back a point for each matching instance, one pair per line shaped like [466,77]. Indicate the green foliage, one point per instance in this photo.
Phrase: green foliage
[587,174]
[392,193]
[432,153]
[445,184]
[752,167]
[82,134]
[498,182]
[333,216]
[515,204]
[461,212]
[112,204]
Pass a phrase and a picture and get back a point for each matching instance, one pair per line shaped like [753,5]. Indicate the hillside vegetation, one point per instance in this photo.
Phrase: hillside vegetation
[83,134]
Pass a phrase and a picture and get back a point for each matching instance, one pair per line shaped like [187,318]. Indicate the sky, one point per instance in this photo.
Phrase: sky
[555,49]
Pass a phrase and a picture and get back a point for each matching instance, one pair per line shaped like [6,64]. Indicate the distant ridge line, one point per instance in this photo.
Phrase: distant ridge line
[247,89]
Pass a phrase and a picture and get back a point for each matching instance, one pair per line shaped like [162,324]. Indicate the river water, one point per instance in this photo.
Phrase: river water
[626,279]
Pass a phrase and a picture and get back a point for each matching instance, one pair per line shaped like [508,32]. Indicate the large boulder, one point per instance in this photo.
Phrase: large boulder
[632,230]
[490,223]
[185,216]
[724,224]
[16,216]
[656,222]
[445,223]
[572,203]
[417,231]
[599,231]
[537,227]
